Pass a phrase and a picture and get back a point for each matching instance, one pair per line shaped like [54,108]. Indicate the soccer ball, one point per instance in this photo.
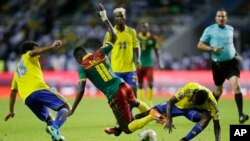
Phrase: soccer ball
[147,135]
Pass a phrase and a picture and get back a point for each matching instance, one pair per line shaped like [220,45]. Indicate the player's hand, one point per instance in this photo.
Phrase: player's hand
[238,57]
[102,12]
[65,115]
[169,126]
[57,44]
[9,115]
[217,50]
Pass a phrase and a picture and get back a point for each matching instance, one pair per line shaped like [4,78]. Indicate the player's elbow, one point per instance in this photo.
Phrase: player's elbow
[199,45]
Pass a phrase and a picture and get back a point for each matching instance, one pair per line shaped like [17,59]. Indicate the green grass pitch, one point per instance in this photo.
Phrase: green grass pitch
[94,114]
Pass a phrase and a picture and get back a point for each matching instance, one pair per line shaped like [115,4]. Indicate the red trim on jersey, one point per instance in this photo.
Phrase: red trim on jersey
[93,59]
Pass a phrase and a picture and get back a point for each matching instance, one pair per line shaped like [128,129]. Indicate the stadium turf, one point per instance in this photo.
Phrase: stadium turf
[94,114]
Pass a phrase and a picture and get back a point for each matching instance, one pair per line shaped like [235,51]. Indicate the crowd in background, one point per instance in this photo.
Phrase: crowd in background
[74,22]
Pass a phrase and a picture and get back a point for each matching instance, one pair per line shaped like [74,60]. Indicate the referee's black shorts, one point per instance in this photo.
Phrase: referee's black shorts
[224,70]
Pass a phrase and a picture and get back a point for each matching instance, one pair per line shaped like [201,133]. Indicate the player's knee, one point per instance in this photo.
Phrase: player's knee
[237,89]
[204,117]
[66,106]
[46,118]
[218,91]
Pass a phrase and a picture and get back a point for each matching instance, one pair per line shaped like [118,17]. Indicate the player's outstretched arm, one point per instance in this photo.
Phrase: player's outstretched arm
[169,124]
[103,15]
[40,50]
[78,99]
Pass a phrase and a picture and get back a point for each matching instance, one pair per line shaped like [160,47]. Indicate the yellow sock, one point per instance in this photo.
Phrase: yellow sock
[150,96]
[143,106]
[139,123]
[140,93]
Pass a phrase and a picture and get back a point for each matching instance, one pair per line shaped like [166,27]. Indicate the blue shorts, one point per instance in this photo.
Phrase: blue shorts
[129,77]
[40,101]
[191,114]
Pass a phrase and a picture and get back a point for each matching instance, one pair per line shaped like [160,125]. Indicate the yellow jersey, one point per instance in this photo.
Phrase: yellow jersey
[28,76]
[122,59]
[185,94]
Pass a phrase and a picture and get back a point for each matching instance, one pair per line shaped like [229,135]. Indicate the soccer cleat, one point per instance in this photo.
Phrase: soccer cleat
[55,134]
[243,118]
[158,117]
[116,131]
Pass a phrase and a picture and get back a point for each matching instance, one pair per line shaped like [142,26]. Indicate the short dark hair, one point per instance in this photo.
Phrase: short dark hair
[201,96]
[79,50]
[28,45]
[221,9]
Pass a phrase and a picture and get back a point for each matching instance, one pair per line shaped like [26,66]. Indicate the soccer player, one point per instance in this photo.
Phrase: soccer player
[218,39]
[97,69]
[193,101]
[148,43]
[125,54]
[28,81]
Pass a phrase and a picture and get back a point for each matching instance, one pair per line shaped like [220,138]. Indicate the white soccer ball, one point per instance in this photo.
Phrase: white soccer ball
[147,135]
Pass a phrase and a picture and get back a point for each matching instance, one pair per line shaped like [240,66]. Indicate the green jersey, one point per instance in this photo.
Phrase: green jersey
[147,43]
[96,68]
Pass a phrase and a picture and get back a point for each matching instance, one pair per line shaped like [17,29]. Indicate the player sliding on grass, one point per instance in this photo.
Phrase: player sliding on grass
[29,83]
[96,68]
[196,103]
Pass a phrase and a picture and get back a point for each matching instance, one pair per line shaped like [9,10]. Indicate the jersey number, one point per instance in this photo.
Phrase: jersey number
[21,69]
[104,73]
[122,45]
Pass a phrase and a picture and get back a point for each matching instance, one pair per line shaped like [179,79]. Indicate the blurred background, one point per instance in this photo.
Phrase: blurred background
[177,23]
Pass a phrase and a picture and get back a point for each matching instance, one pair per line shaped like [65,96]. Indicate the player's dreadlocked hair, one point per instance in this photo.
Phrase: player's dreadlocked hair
[201,97]
[28,45]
